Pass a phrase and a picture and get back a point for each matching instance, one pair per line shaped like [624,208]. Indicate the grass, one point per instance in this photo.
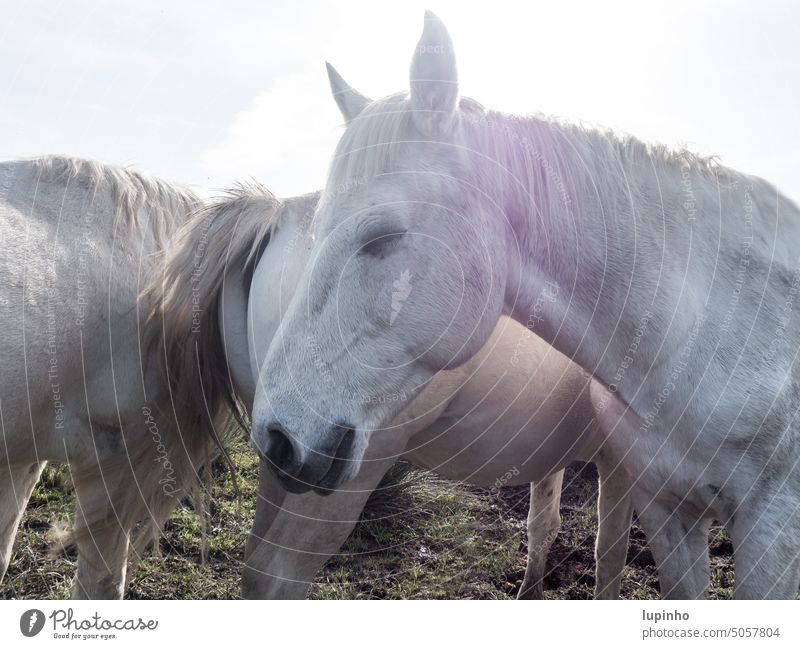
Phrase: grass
[427,539]
[420,537]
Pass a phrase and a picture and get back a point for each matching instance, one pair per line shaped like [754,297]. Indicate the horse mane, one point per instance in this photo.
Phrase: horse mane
[183,303]
[131,191]
[559,157]
[188,420]
[370,144]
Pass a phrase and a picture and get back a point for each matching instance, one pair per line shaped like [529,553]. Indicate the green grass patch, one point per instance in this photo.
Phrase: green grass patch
[419,537]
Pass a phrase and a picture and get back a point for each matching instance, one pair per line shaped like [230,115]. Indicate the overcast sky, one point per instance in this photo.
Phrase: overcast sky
[208,93]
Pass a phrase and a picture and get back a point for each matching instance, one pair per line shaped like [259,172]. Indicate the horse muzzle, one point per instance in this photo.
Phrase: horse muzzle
[300,468]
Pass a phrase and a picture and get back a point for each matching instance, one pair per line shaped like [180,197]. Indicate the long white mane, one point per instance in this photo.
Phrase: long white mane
[563,160]
[132,191]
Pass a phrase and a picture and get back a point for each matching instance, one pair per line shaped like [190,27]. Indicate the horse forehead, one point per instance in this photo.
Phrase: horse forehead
[363,192]
[335,214]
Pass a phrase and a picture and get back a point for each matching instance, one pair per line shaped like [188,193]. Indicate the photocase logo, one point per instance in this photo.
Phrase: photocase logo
[402,289]
[31,622]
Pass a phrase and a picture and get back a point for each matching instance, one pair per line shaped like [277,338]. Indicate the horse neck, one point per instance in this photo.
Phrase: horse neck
[573,201]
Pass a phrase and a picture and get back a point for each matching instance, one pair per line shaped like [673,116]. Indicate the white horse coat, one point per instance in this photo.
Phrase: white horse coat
[472,424]
[671,279]
[83,385]
[76,243]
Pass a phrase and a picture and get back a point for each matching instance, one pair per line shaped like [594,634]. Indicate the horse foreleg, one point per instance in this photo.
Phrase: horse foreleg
[544,522]
[269,500]
[16,485]
[765,536]
[294,535]
[102,547]
[680,548]
[614,512]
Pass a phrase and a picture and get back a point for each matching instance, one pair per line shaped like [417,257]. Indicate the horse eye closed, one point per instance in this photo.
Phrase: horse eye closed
[380,245]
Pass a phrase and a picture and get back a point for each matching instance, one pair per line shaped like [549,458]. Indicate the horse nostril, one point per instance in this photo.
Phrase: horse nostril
[281,452]
[346,442]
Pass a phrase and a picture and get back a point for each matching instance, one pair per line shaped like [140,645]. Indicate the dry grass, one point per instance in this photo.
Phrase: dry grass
[421,538]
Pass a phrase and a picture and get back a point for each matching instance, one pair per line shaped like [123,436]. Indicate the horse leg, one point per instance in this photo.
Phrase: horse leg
[614,512]
[102,546]
[679,545]
[544,522]
[269,501]
[16,485]
[295,534]
[766,554]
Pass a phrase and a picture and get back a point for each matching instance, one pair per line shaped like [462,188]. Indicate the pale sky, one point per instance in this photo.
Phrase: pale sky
[210,93]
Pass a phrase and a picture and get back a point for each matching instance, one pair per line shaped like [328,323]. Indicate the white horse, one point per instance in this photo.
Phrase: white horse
[77,241]
[669,278]
[132,405]
[472,424]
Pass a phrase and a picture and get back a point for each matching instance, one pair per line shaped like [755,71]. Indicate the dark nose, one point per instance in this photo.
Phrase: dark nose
[300,468]
[282,451]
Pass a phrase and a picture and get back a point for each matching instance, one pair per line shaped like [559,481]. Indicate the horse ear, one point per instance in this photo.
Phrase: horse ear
[350,101]
[434,79]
